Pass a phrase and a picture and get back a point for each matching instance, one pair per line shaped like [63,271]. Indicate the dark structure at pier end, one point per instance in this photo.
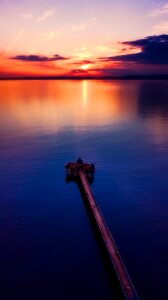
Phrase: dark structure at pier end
[73,169]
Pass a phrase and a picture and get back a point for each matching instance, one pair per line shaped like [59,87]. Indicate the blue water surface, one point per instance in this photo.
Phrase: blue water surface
[49,249]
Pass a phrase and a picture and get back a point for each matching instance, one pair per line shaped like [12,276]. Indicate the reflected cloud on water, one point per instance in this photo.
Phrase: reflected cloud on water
[153,108]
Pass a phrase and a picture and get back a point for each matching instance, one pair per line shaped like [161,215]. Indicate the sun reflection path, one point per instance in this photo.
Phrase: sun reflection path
[85,92]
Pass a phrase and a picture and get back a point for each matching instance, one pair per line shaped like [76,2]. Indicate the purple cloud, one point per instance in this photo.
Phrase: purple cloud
[39,58]
[84,62]
[154,50]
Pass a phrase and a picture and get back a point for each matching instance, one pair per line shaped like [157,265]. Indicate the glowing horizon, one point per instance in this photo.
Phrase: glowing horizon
[83,38]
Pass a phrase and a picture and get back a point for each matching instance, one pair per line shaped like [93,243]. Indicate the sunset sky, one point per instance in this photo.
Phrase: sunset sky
[83,37]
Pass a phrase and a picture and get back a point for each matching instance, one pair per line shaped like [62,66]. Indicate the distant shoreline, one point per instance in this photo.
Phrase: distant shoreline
[129,77]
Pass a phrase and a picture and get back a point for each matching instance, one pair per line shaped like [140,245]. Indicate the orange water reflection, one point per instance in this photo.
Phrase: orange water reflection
[50,106]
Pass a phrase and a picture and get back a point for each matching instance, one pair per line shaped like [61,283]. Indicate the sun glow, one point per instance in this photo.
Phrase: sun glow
[85,67]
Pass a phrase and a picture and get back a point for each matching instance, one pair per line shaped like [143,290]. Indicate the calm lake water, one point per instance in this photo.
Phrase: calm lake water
[49,249]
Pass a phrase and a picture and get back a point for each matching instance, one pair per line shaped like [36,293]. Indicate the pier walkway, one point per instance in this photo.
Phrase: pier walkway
[81,171]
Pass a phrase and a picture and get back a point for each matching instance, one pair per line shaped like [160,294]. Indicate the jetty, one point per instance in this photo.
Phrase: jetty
[82,171]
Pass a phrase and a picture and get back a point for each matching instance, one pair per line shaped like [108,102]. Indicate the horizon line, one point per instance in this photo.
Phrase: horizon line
[126,77]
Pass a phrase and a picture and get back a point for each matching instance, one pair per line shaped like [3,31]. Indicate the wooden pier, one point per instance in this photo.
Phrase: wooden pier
[82,171]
